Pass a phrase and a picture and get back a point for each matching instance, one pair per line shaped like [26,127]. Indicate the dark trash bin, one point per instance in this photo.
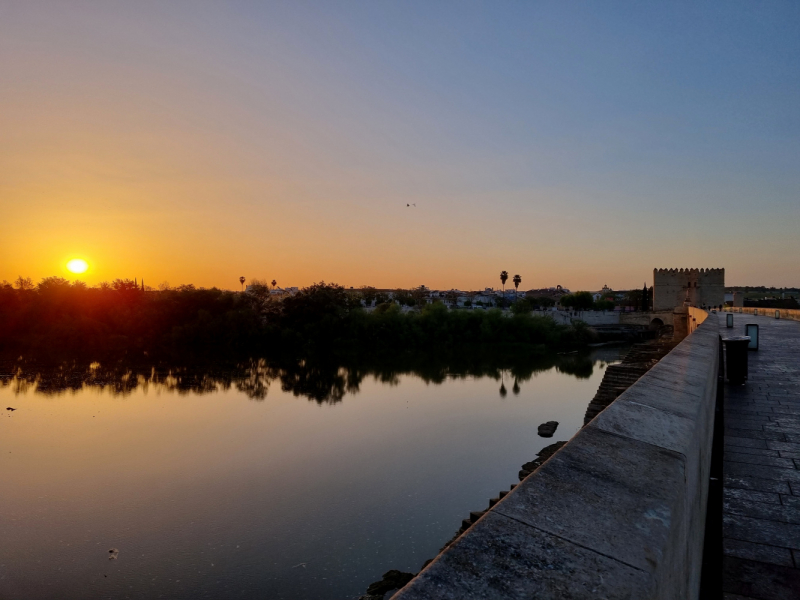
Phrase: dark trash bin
[736,358]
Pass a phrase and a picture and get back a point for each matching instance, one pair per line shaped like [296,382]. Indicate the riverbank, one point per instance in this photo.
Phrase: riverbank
[65,321]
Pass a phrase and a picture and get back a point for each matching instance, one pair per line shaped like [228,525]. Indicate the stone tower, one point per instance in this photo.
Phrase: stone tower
[703,286]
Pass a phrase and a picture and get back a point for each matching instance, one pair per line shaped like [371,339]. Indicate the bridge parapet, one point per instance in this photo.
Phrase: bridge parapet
[618,512]
[783,313]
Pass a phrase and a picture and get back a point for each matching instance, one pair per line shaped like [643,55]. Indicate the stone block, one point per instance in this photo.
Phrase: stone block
[503,558]
[759,552]
[759,579]
[746,442]
[762,471]
[761,510]
[747,482]
[610,494]
[755,451]
[761,531]
[752,495]
[756,459]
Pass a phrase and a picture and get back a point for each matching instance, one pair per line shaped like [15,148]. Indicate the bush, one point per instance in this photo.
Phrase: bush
[321,319]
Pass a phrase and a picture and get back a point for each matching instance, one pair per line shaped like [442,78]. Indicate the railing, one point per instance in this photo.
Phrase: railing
[618,512]
[783,313]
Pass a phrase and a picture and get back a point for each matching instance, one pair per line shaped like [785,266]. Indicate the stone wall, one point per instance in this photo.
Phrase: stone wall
[704,286]
[785,313]
[618,512]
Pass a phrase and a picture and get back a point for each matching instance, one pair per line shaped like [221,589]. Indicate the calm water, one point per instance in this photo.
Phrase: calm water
[261,482]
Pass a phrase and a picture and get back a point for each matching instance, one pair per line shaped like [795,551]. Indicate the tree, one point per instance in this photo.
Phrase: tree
[644,298]
[578,301]
[543,301]
[369,294]
[50,285]
[242,280]
[23,283]
[522,307]
[503,279]
[517,280]
[274,284]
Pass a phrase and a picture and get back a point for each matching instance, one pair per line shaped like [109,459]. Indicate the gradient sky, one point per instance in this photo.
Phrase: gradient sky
[573,143]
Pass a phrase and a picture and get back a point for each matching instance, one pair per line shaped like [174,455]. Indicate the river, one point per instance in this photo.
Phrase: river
[259,481]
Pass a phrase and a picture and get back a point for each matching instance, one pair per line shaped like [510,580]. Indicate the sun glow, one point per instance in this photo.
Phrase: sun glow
[77,265]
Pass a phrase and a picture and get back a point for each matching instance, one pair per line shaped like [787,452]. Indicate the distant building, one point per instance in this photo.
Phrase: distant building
[606,292]
[701,287]
[553,293]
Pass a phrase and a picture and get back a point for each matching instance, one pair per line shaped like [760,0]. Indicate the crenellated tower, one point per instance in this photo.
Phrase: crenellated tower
[702,286]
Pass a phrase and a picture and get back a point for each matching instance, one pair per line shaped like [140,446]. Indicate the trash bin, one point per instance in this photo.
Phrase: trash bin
[736,358]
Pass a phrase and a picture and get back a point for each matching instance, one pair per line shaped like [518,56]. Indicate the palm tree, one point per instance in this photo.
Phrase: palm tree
[517,280]
[241,280]
[503,279]
[274,283]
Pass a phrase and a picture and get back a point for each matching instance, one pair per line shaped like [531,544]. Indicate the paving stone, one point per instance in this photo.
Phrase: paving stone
[747,482]
[752,495]
[751,414]
[761,531]
[787,500]
[745,442]
[761,510]
[757,531]
[783,428]
[757,435]
[759,552]
[785,420]
[746,423]
[757,459]
[772,445]
[755,451]
[762,471]
[785,410]
[762,581]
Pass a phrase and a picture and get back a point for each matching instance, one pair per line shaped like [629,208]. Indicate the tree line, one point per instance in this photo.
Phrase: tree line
[120,318]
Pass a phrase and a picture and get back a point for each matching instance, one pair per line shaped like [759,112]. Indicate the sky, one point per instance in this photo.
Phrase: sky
[573,143]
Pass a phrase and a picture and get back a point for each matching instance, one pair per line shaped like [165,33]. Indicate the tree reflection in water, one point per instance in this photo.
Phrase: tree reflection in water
[318,381]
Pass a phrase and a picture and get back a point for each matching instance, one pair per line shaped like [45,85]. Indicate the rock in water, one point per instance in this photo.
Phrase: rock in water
[548,429]
[543,454]
[392,580]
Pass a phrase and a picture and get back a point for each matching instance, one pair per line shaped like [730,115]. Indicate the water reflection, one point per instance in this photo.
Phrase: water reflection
[324,383]
[212,495]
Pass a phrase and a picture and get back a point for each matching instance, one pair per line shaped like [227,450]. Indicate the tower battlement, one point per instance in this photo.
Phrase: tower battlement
[702,286]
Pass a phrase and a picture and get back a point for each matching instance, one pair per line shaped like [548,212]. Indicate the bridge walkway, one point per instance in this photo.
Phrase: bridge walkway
[761,466]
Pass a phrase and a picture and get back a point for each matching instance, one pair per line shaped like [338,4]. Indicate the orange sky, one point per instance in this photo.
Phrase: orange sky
[196,146]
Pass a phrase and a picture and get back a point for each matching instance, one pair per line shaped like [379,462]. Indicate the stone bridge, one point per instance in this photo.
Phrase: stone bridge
[620,510]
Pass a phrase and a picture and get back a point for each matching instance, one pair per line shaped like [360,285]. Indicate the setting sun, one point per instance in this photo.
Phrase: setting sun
[77,265]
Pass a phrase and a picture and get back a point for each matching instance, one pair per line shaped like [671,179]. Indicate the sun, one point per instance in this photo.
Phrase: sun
[77,265]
